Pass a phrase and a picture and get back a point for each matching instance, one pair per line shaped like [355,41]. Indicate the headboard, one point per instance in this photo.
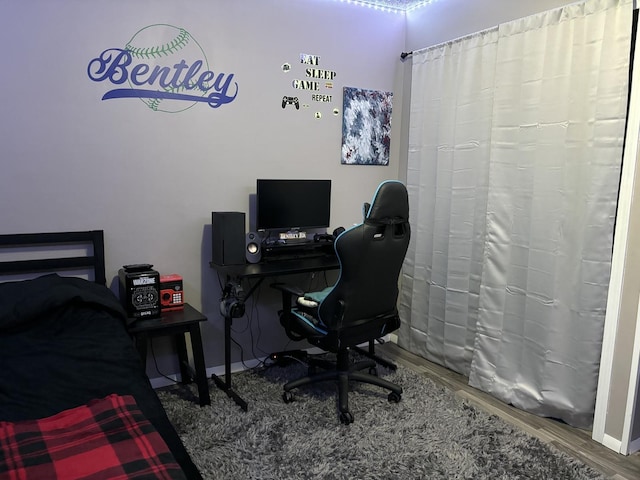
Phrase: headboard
[46,243]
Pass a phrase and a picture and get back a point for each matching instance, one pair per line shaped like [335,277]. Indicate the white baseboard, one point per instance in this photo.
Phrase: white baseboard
[158,382]
[612,443]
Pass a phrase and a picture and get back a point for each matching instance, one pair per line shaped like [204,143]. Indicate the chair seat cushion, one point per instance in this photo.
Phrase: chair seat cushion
[316,297]
[308,308]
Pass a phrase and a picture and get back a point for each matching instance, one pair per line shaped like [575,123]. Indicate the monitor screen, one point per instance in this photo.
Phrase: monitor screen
[292,204]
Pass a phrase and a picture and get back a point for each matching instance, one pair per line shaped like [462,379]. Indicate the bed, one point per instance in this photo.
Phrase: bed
[75,401]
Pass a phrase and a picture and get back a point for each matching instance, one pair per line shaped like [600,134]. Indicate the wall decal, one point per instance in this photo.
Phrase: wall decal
[307,59]
[290,101]
[366,126]
[311,83]
[165,67]
[315,74]
[317,97]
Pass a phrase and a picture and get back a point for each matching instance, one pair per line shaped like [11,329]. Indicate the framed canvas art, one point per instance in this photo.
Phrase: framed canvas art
[366,127]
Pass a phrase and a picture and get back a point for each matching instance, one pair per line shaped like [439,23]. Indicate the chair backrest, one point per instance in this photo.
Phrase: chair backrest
[371,255]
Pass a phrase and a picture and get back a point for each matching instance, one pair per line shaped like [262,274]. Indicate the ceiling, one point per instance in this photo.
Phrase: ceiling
[390,5]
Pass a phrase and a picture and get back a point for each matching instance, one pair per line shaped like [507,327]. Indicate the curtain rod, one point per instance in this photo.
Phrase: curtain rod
[404,55]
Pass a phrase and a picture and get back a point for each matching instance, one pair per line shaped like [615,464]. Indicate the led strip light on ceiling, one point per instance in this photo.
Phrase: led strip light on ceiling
[396,6]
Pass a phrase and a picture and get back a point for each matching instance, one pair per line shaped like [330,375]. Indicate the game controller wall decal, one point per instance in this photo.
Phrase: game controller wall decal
[290,101]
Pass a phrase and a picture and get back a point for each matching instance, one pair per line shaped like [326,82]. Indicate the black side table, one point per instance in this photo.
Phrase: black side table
[177,323]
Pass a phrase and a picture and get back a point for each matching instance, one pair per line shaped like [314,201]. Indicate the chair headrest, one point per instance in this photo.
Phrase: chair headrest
[390,204]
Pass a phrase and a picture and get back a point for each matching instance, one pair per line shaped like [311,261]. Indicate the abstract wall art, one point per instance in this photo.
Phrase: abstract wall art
[366,127]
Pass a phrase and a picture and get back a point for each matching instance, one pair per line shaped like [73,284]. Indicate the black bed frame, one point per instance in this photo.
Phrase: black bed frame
[93,261]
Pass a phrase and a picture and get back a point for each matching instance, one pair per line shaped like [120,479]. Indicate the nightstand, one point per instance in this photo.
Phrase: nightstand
[176,323]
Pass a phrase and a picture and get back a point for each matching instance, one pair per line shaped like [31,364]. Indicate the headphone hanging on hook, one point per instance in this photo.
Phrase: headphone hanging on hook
[232,301]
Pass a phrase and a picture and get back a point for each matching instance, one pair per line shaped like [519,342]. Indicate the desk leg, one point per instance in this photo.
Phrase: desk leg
[141,341]
[183,359]
[198,362]
[226,384]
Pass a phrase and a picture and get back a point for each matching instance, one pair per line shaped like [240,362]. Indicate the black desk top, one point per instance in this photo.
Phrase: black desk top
[274,266]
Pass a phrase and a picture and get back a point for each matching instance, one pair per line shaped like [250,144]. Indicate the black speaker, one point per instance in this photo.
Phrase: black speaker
[253,247]
[227,238]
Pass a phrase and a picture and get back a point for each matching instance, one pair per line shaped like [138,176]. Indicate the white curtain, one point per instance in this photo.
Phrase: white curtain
[515,149]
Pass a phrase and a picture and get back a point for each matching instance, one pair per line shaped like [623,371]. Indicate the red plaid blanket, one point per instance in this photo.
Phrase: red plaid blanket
[108,438]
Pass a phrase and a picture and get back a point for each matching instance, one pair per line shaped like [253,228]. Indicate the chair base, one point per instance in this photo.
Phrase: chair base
[371,353]
[342,372]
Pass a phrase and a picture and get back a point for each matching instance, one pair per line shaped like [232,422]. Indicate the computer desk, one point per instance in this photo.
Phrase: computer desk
[271,267]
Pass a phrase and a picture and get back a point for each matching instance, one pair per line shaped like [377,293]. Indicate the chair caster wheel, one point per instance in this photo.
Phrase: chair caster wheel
[394,397]
[346,418]
[287,397]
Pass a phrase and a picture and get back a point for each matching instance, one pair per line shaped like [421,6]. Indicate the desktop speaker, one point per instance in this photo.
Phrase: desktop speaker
[253,247]
[227,238]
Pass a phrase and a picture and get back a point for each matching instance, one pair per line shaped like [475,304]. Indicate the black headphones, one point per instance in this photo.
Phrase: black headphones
[232,301]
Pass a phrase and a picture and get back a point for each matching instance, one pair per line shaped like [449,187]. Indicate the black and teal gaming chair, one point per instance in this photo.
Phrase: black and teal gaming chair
[362,305]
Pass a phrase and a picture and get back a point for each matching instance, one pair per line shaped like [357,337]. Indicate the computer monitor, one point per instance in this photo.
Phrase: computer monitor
[292,204]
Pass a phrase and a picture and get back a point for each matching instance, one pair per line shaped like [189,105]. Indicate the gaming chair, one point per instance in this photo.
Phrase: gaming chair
[361,305]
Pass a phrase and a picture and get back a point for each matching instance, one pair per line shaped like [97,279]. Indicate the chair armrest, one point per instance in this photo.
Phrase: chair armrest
[288,294]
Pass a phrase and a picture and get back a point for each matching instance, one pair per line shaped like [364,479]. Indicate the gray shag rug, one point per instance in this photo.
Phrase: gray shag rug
[430,434]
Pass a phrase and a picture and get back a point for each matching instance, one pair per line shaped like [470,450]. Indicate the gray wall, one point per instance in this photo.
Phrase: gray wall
[151,179]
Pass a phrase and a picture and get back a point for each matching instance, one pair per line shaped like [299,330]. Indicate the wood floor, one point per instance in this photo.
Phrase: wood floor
[573,441]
